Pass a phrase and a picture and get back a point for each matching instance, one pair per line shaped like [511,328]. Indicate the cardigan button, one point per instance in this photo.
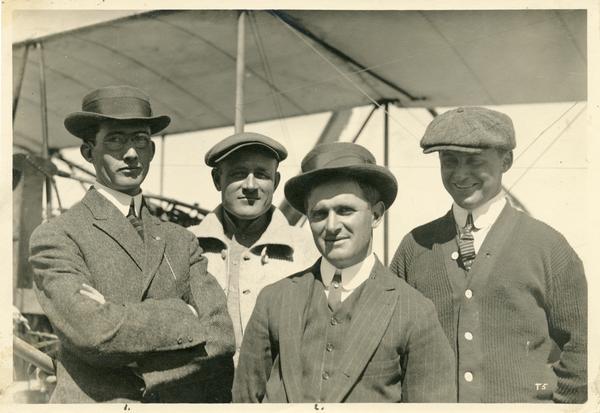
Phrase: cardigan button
[468,293]
[454,255]
[179,340]
[469,376]
[468,336]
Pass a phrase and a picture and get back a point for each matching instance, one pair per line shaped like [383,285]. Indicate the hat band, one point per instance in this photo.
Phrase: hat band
[334,160]
[123,107]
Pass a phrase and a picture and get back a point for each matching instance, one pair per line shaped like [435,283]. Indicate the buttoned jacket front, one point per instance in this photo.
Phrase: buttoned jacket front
[147,285]
[395,347]
[280,251]
[525,289]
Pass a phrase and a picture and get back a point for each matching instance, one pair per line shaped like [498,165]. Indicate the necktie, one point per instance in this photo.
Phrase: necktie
[135,221]
[465,243]
[334,299]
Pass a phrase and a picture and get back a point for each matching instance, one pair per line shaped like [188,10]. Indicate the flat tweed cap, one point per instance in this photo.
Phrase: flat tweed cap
[469,129]
[340,159]
[241,140]
[122,103]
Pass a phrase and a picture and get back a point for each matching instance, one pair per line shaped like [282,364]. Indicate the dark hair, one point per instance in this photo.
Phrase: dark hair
[370,192]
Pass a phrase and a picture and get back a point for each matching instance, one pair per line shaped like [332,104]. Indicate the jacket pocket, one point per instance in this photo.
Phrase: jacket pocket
[377,368]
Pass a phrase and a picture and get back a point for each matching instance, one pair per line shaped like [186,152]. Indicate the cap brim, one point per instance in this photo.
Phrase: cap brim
[457,148]
[297,188]
[80,123]
[244,145]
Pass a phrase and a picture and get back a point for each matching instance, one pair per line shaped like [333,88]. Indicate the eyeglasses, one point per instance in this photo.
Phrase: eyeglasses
[117,141]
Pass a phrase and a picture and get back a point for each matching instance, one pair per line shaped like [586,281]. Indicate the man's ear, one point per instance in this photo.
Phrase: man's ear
[153,149]
[507,161]
[378,210]
[216,177]
[86,151]
[276,181]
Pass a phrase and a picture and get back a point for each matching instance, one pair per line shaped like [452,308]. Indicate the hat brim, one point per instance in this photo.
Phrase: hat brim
[81,123]
[297,188]
[457,148]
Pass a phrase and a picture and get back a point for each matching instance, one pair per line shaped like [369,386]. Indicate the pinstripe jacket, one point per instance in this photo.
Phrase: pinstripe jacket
[145,320]
[396,350]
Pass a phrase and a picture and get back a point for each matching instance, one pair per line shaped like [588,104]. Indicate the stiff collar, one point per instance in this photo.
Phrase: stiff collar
[276,233]
[119,199]
[352,276]
[483,216]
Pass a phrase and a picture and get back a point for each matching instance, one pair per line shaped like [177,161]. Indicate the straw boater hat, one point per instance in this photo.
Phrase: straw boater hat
[340,159]
[469,129]
[124,103]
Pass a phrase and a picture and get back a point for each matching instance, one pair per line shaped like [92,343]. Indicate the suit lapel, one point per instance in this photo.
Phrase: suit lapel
[369,322]
[293,305]
[154,243]
[112,222]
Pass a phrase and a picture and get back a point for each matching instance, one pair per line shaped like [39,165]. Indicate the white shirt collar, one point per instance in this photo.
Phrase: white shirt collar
[119,199]
[352,276]
[483,216]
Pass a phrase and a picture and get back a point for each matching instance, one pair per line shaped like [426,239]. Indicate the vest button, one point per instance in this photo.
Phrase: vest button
[246,257]
[325,375]
[469,376]
[468,293]
[329,347]
[454,255]
[468,336]
[179,340]
[246,292]
[334,321]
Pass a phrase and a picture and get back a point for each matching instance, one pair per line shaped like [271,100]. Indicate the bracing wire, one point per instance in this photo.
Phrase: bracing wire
[345,76]
[547,148]
[545,130]
[268,72]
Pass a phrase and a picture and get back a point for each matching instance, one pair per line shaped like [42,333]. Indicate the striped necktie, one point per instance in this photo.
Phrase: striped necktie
[135,221]
[466,243]
[334,298]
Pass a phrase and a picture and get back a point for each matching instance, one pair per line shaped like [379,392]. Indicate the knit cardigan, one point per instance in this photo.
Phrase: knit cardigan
[526,289]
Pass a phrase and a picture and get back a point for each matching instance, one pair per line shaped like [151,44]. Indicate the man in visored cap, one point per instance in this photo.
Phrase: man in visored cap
[505,285]
[137,314]
[248,241]
[345,329]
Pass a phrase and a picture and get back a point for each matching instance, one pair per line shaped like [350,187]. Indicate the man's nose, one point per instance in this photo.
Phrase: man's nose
[249,182]
[130,154]
[333,223]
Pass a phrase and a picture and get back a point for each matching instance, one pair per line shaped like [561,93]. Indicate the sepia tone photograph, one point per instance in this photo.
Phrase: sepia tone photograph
[291,204]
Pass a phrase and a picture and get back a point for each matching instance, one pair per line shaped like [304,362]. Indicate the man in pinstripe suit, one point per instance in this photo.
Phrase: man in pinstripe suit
[345,329]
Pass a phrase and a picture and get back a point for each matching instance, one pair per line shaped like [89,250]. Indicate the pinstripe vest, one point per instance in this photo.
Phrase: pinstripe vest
[323,340]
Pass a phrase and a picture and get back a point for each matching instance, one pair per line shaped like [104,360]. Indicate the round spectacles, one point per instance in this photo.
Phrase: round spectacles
[118,141]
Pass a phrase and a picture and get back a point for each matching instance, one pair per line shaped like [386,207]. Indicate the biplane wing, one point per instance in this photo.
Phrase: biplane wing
[302,62]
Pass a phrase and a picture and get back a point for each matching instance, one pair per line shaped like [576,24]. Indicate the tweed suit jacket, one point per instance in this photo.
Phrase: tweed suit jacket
[144,343]
[526,289]
[396,350]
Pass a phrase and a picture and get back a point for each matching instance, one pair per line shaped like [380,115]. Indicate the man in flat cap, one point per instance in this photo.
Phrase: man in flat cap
[248,242]
[345,329]
[137,314]
[505,285]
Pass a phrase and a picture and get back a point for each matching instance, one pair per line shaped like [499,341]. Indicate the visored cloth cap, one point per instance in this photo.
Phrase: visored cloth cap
[469,129]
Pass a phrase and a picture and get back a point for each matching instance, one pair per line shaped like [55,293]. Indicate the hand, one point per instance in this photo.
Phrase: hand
[92,293]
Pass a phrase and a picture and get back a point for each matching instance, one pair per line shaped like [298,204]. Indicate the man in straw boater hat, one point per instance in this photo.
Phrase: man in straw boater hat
[505,285]
[247,240]
[345,329]
[137,314]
